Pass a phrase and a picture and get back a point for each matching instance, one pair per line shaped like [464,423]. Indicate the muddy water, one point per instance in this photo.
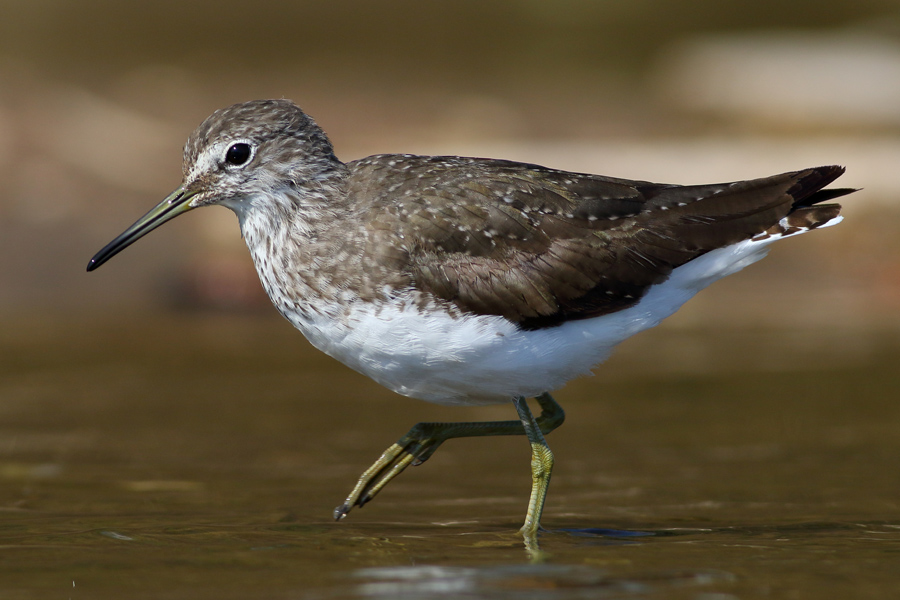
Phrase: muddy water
[201,456]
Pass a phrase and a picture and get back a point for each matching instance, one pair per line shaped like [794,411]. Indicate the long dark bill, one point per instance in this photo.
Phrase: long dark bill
[176,203]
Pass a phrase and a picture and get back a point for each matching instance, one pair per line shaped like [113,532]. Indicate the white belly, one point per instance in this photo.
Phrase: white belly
[486,359]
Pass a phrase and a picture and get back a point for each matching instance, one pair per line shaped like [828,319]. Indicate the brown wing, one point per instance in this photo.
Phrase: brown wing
[541,247]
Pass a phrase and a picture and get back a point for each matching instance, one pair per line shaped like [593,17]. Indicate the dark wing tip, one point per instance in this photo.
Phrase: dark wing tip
[825,196]
[807,190]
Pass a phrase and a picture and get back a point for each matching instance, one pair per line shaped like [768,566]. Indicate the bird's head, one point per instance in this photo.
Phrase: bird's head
[244,156]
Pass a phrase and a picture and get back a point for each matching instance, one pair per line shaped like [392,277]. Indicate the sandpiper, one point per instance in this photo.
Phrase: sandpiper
[468,280]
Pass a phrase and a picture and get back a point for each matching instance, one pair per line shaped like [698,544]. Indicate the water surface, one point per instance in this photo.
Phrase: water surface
[196,456]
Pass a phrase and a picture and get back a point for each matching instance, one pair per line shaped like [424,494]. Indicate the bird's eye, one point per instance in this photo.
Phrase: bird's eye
[238,154]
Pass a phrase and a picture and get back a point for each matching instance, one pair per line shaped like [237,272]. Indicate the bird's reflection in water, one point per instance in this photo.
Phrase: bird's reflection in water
[543,581]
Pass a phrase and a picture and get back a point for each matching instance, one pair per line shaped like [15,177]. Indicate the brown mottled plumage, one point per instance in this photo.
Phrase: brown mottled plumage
[540,246]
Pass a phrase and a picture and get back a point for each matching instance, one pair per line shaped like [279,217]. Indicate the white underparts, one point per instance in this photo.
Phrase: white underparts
[487,359]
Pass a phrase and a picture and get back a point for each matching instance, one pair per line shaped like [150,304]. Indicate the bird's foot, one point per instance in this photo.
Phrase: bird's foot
[412,449]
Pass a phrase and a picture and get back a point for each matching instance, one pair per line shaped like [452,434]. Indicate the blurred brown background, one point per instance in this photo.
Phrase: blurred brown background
[164,434]
[97,98]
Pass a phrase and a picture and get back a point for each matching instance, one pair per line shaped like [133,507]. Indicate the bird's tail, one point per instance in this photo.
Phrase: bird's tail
[807,212]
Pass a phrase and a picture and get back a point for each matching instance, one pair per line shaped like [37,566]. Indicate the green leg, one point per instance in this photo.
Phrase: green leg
[423,439]
[541,469]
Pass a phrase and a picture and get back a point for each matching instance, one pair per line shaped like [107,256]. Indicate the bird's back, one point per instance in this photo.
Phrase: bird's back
[541,247]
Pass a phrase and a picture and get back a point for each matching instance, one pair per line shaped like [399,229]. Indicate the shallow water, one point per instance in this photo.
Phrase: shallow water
[201,456]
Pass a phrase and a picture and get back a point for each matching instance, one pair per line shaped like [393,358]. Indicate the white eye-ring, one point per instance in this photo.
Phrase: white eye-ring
[239,154]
